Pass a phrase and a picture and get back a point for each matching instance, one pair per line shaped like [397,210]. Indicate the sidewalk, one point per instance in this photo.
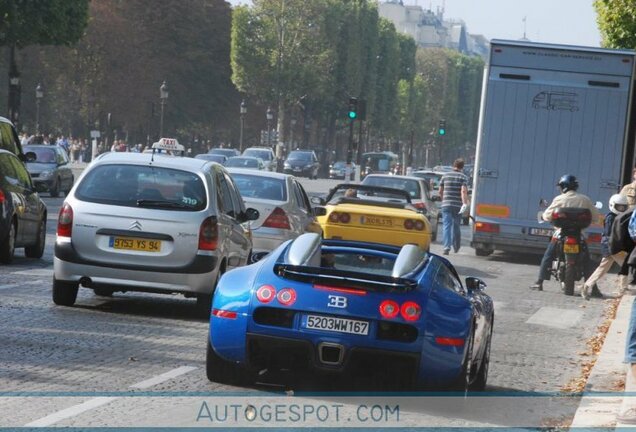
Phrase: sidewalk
[603,401]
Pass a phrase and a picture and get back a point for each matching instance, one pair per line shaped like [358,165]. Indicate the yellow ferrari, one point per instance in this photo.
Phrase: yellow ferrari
[373,214]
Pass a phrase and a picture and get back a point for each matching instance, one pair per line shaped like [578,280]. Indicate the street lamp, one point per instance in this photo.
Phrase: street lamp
[270,117]
[163,95]
[243,112]
[39,94]
[291,132]
[14,90]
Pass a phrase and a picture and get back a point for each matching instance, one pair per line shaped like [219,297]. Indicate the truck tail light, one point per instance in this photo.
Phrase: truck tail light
[594,238]
[208,234]
[65,221]
[277,219]
[487,227]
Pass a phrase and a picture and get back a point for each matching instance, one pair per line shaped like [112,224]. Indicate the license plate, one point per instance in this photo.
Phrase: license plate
[377,221]
[544,232]
[570,249]
[340,325]
[136,244]
[297,169]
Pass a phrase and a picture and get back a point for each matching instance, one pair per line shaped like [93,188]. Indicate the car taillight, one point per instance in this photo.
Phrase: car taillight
[65,221]
[333,217]
[410,311]
[208,234]
[286,296]
[344,217]
[389,309]
[277,219]
[571,241]
[487,227]
[449,341]
[594,238]
[559,215]
[265,294]
[419,225]
[408,224]
[224,313]
[2,198]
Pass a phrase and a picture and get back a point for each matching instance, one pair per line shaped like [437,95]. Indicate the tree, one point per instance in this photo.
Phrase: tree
[35,22]
[617,22]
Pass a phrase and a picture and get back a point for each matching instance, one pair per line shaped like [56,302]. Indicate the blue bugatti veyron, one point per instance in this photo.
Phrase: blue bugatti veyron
[351,308]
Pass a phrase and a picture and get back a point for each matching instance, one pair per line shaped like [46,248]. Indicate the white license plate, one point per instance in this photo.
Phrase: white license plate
[297,169]
[545,232]
[340,325]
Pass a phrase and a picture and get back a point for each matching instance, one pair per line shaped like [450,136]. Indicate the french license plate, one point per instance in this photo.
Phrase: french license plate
[297,169]
[570,249]
[136,244]
[544,232]
[377,221]
[340,325]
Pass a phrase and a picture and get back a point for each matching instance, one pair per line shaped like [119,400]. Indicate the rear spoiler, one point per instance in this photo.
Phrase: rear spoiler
[339,278]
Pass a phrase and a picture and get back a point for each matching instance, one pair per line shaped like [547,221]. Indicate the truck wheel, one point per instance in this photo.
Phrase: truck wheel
[64,293]
[222,371]
[483,252]
[568,280]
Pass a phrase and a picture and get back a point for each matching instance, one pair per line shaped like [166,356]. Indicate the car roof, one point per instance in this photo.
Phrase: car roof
[259,148]
[391,176]
[251,172]
[159,159]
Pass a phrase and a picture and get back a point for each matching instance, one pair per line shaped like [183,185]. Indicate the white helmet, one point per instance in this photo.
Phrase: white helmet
[618,203]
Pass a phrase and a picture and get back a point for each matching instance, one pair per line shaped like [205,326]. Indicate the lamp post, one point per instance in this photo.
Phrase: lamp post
[291,132]
[39,94]
[270,117]
[243,112]
[163,95]
[14,90]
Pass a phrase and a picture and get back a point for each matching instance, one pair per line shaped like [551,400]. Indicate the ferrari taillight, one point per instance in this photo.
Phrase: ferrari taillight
[419,225]
[336,217]
[265,294]
[389,309]
[65,221]
[286,296]
[410,311]
[408,224]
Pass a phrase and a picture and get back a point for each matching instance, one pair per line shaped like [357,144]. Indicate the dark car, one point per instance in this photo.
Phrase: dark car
[227,152]
[50,171]
[302,163]
[219,158]
[22,212]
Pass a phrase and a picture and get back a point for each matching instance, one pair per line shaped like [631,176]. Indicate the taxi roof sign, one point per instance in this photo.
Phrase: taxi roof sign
[168,144]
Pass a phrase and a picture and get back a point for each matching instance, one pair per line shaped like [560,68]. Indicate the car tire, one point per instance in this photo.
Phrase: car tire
[103,292]
[483,252]
[55,190]
[7,247]
[64,293]
[37,250]
[434,232]
[464,380]
[204,301]
[479,384]
[221,371]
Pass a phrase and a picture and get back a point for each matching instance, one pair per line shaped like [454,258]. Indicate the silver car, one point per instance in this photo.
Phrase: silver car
[265,153]
[283,206]
[153,223]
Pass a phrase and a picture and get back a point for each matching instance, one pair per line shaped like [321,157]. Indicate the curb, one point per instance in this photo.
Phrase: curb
[602,410]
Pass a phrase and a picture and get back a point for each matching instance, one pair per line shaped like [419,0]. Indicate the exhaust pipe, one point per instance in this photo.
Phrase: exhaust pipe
[86,282]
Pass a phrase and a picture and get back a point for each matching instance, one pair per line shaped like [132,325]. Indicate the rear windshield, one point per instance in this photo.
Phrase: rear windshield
[241,163]
[263,154]
[252,186]
[360,263]
[43,155]
[143,186]
[223,152]
[410,186]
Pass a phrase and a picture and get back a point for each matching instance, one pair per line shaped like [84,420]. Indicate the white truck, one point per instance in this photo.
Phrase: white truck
[548,110]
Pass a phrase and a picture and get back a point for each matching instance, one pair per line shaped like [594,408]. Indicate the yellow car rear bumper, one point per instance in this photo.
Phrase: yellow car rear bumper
[384,236]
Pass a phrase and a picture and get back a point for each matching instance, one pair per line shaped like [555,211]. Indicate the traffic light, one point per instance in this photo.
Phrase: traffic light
[441,130]
[352,113]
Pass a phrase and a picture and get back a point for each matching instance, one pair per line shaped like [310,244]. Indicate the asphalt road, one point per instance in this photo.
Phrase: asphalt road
[150,343]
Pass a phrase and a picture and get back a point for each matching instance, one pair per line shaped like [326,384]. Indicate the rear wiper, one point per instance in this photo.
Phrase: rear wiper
[159,203]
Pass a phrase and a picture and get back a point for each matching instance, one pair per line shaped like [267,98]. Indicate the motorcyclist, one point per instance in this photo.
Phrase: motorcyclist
[569,197]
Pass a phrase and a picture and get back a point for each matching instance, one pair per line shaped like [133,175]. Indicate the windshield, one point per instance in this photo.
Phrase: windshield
[224,152]
[410,186]
[255,186]
[302,156]
[143,186]
[212,157]
[43,155]
[238,162]
[263,154]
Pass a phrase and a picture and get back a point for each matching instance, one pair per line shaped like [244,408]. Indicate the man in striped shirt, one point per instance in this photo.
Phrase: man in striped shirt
[453,193]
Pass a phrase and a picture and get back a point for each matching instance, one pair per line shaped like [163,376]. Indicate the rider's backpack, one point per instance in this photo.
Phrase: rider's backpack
[619,239]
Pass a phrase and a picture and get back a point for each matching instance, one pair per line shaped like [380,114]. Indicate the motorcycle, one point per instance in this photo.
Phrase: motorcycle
[570,254]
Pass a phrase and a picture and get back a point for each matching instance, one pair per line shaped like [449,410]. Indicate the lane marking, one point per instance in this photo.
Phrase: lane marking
[163,377]
[101,401]
[36,272]
[556,317]
[71,412]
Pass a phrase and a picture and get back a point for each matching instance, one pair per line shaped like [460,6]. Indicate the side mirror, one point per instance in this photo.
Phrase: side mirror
[317,200]
[251,214]
[319,211]
[474,283]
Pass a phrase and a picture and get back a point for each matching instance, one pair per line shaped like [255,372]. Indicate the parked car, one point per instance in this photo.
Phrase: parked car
[264,153]
[224,151]
[373,214]
[417,188]
[339,169]
[284,208]
[302,163]
[22,212]
[218,158]
[351,309]
[150,222]
[245,162]
[50,172]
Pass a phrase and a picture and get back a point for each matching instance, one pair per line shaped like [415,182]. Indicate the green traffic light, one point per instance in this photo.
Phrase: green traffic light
[352,115]
[442,131]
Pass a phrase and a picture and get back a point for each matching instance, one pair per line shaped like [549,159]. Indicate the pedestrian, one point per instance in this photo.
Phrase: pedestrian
[75,151]
[569,197]
[453,193]
[629,190]
[617,205]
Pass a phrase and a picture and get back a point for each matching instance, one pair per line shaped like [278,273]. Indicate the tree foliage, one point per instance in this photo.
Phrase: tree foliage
[617,22]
